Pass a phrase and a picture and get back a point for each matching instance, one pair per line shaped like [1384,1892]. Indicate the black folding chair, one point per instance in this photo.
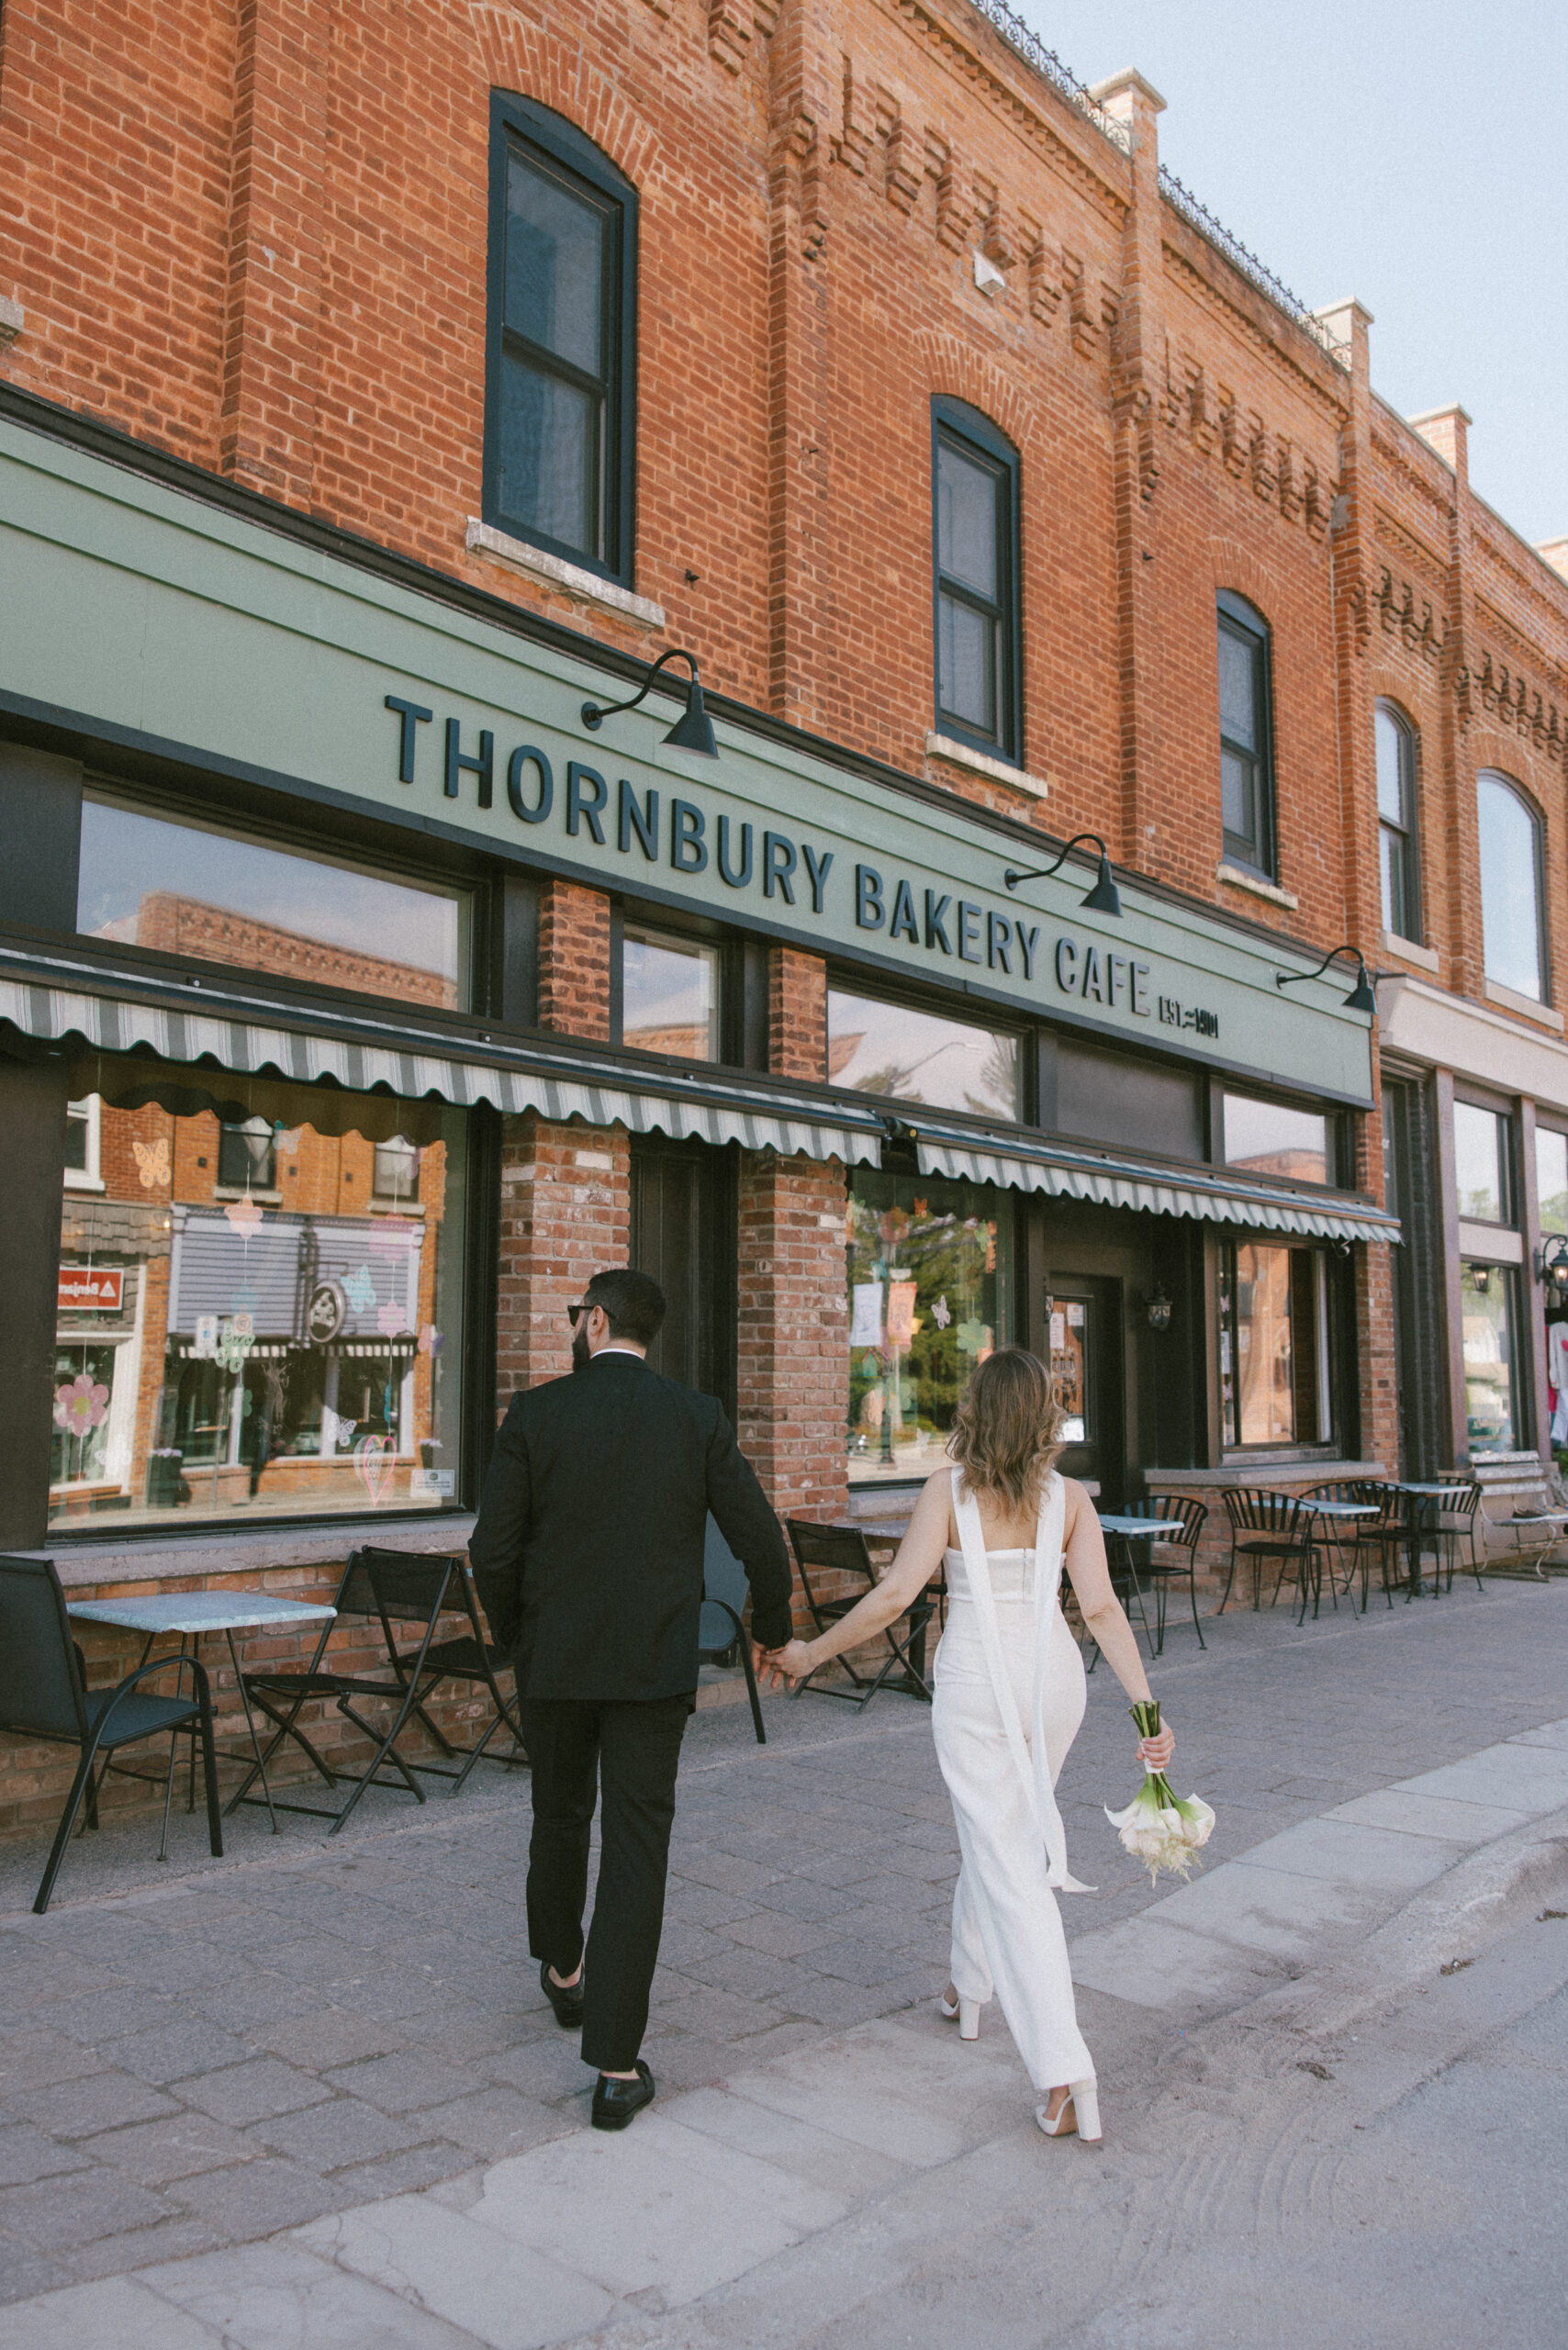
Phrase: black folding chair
[381,1587]
[1174,1554]
[841,1550]
[469,1656]
[1267,1525]
[1125,1583]
[44,1694]
[721,1631]
[1452,1524]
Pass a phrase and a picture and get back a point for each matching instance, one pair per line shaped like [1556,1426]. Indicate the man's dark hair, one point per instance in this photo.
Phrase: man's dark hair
[633,1303]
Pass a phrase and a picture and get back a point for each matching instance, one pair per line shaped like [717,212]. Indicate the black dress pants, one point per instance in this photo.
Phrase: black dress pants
[633,1749]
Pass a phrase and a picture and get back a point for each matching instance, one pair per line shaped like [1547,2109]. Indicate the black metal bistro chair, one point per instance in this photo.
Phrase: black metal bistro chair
[1267,1525]
[380,1587]
[1173,1555]
[721,1631]
[469,1656]
[1124,1582]
[44,1694]
[1454,1526]
[841,1550]
[1349,1545]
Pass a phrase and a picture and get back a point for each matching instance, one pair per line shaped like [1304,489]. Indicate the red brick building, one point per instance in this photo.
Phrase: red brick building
[387,387]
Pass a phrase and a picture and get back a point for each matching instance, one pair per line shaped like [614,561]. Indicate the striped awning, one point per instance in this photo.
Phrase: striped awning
[229,1034]
[1111,1181]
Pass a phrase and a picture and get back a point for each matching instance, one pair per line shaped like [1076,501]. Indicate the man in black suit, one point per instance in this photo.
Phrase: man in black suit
[589,1556]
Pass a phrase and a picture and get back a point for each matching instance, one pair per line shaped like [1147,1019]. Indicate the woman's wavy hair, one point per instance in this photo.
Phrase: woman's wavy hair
[1004,1438]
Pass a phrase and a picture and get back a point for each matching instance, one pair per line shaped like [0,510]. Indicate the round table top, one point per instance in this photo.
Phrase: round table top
[199,1611]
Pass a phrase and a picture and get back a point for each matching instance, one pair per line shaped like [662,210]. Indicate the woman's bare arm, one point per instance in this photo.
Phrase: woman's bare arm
[919,1556]
[1102,1612]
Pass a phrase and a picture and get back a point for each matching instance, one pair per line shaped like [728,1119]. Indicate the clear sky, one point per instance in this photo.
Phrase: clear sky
[1411,155]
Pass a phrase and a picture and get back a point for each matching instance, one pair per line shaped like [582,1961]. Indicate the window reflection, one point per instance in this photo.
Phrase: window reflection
[669,995]
[1510,887]
[185,889]
[1275,1139]
[1481,1163]
[1488,1320]
[226,1344]
[919,1056]
[930,1281]
[1274,1346]
[1551,1179]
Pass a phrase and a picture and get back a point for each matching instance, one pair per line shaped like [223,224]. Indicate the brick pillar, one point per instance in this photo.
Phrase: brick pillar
[797,1014]
[792,1355]
[574,961]
[565,1213]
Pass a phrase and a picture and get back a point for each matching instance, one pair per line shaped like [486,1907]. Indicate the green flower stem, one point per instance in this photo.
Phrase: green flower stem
[1146,1715]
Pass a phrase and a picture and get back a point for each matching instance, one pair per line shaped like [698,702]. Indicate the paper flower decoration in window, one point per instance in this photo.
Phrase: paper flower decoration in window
[360,1290]
[81,1407]
[972,1336]
[245,1215]
[392,1319]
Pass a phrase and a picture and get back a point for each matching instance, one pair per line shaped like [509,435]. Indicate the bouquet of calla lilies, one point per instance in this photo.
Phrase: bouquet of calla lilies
[1158,1828]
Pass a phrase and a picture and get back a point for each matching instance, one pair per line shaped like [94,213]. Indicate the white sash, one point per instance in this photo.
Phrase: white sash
[1034,1767]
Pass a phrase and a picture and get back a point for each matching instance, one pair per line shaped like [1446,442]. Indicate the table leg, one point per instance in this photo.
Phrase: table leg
[169,1782]
[251,1725]
[190,1784]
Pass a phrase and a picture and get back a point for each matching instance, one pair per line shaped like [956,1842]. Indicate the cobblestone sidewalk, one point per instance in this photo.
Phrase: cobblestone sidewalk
[304,2028]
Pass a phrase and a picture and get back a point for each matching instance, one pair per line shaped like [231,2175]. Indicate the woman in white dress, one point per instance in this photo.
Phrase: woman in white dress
[1010,1694]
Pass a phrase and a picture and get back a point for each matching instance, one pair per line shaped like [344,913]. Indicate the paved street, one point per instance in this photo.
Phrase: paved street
[270,2047]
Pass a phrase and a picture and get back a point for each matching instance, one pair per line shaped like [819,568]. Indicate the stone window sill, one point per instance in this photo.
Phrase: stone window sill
[1422,958]
[1525,1006]
[948,747]
[1311,1470]
[586,586]
[240,1192]
[1237,879]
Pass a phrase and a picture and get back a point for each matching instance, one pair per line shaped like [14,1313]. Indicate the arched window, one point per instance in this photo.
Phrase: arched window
[1246,736]
[975,534]
[1396,823]
[560,365]
[1511,925]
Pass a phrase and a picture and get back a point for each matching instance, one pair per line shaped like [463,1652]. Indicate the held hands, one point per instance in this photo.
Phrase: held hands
[781,1668]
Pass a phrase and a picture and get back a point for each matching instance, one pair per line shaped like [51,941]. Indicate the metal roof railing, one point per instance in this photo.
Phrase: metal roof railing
[1199,217]
[1032,51]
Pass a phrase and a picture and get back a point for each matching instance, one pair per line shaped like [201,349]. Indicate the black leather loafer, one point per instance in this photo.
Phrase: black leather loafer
[566,1998]
[614,2102]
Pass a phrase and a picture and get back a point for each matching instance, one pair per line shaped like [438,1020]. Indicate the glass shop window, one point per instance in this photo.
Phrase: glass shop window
[1488,1305]
[881,1047]
[191,889]
[976,604]
[1512,924]
[82,1147]
[1273,1138]
[930,1279]
[669,995]
[229,1347]
[1246,736]
[1275,1346]
[1551,1179]
[1482,1163]
[1398,861]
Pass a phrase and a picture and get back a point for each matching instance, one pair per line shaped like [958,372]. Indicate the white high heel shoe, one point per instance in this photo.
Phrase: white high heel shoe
[1078,2114]
[967,2012]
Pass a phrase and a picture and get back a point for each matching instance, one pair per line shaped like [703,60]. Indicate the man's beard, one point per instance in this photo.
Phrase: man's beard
[579,1348]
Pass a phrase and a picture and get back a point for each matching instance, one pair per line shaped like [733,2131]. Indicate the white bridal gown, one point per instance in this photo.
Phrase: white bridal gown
[1010,1694]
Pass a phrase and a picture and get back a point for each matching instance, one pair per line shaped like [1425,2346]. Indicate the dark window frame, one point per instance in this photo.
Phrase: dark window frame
[1235,617]
[976,437]
[518,125]
[1532,809]
[1331,1364]
[1407,831]
[246,1171]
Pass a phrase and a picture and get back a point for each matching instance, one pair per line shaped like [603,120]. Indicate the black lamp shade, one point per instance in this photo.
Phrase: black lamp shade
[695,730]
[1104,898]
[1363,996]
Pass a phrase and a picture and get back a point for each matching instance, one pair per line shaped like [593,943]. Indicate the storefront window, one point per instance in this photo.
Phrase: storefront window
[882,1048]
[1481,1164]
[191,889]
[930,1269]
[669,995]
[1274,1346]
[1488,1314]
[261,1313]
[1271,1138]
[1551,1179]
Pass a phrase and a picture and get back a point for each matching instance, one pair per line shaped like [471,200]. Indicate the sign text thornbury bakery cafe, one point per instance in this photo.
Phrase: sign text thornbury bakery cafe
[793,881]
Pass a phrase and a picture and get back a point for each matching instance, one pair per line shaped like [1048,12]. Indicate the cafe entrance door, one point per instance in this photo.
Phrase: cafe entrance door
[1084,1318]
[684,1234]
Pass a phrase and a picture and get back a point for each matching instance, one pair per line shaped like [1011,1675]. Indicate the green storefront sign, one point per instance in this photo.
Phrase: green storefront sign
[145,615]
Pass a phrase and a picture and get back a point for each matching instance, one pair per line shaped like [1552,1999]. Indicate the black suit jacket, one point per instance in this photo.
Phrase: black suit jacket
[588,1554]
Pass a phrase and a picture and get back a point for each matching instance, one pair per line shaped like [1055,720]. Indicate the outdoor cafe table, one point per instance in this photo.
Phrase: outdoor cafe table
[191,1614]
[1429,1499]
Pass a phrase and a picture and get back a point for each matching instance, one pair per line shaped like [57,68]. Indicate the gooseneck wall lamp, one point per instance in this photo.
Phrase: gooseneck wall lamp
[692,733]
[1103,898]
[1363,996]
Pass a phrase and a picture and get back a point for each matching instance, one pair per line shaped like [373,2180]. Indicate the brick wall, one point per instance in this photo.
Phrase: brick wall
[566,1214]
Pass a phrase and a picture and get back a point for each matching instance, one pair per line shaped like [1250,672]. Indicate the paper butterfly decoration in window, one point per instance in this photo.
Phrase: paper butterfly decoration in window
[153,1163]
[360,1290]
[336,1431]
[942,1313]
[431,1339]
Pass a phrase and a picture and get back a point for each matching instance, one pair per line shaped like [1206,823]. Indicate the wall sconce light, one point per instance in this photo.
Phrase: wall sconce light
[1552,1265]
[1103,898]
[1481,1278]
[692,733]
[1363,996]
[1159,1309]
